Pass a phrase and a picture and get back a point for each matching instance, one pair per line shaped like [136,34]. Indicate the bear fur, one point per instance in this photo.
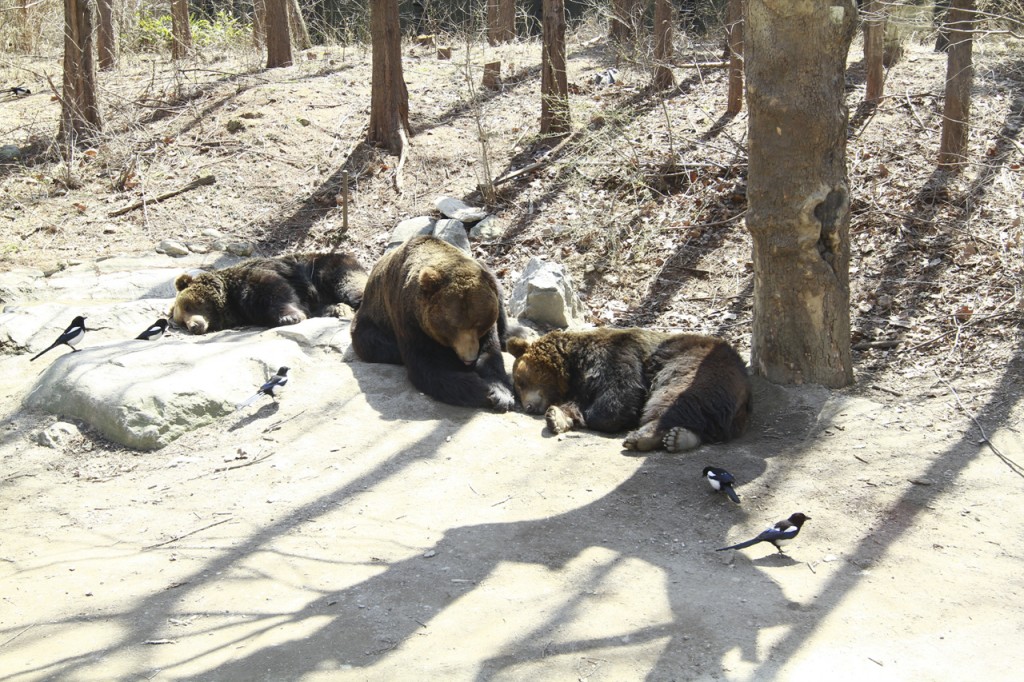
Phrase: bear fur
[430,306]
[675,390]
[269,292]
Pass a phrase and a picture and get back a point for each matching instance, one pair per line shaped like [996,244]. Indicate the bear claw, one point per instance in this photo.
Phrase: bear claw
[557,420]
[680,438]
[501,399]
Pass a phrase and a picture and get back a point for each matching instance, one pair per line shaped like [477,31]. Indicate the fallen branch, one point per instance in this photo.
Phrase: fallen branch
[205,180]
[542,161]
[402,156]
[1014,467]
[197,530]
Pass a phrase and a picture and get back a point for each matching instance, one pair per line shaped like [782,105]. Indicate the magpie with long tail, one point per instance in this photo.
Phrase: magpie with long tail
[779,534]
[721,481]
[155,331]
[272,388]
[71,337]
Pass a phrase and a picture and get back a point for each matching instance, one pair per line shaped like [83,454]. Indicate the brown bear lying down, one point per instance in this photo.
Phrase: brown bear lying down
[269,292]
[439,312]
[675,390]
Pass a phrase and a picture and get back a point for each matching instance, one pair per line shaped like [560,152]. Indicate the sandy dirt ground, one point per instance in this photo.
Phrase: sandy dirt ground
[360,530]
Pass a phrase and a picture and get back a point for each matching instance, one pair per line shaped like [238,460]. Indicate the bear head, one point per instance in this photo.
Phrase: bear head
[200,303]
[458,307]
[540,374]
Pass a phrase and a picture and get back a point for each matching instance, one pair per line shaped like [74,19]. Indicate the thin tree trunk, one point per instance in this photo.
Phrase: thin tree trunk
[734,36]
[80,116]
[501,21]
[956,110]
[798,192]
[279,42]
[663,22]
[622,23]
[874,49]
[554,86]
[300,32]
[259,23]
[389,98]
[105,35]
[181,30]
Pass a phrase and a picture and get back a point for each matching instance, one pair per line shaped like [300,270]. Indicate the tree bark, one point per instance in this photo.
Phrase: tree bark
[874,50]
[501,21]
[956,110]
[389,98]
[181,30]
[663,22]
[798,193]
[622,24]
[105,35]
[279,42]
[80,118]
[259,23]
[299,30]
[554,86]
[734,38]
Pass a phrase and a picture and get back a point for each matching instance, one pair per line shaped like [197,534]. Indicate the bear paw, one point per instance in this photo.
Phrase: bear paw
[680,438]
[644,439]
[501,399]
[339,310]
[291,315]
[558,421]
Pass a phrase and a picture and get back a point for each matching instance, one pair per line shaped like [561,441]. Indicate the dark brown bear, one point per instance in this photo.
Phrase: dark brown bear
[439,312]
[675,390]
[269,292]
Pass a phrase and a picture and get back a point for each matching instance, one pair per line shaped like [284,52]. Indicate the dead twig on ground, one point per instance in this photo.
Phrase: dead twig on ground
[542,161]
[1014,467]
[199,182]
[180,537]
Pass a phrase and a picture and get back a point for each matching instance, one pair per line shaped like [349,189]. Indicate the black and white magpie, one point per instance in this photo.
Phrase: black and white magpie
[155,331]
[19,91]
[779,534]
[273,386]
[721,481]
[70,338]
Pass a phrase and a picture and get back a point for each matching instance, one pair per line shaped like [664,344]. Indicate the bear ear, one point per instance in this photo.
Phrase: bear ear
[431,280]
[517,346]
[183,281]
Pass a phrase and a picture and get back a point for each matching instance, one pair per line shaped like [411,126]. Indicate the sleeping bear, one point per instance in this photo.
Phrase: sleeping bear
[675,390]
[430,306]
[269,292]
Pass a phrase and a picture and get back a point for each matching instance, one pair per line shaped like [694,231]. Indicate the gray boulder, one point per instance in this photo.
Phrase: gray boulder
[453,232]
[489,229]
[545,296]
[459,210]
[409,228]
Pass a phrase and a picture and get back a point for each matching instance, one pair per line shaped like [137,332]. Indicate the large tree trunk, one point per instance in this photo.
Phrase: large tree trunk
[734,37]
[389,98]
[501,21]
[279,42]
[79,113]
[622,24]
[105,35]
[181,30]
[663,22]
[799,197]
[956,111]
[874,50]
[299,30]
[554,86]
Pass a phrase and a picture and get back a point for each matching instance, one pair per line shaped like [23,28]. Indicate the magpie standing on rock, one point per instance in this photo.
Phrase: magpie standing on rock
[779,534]
[155,331]
[273,386]
[721,481]
[70,338]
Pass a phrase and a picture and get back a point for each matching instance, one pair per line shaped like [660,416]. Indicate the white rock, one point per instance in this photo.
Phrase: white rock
[545,295]
[453,232]
[489,229]
[58,435]
[171,247]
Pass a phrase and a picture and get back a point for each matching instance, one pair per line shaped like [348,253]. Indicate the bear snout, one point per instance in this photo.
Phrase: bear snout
[197,325]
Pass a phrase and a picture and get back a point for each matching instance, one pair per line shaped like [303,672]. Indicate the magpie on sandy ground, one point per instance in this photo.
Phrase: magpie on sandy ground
[155,331]
[19,91]
[721,481]
[779,534]
[273,386]
[71,337]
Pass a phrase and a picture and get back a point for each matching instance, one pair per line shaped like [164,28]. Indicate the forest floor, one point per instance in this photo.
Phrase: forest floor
[405,539]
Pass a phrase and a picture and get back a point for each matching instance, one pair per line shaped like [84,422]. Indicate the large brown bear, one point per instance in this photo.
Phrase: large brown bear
[679,389]
[430,306]
[269,292]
